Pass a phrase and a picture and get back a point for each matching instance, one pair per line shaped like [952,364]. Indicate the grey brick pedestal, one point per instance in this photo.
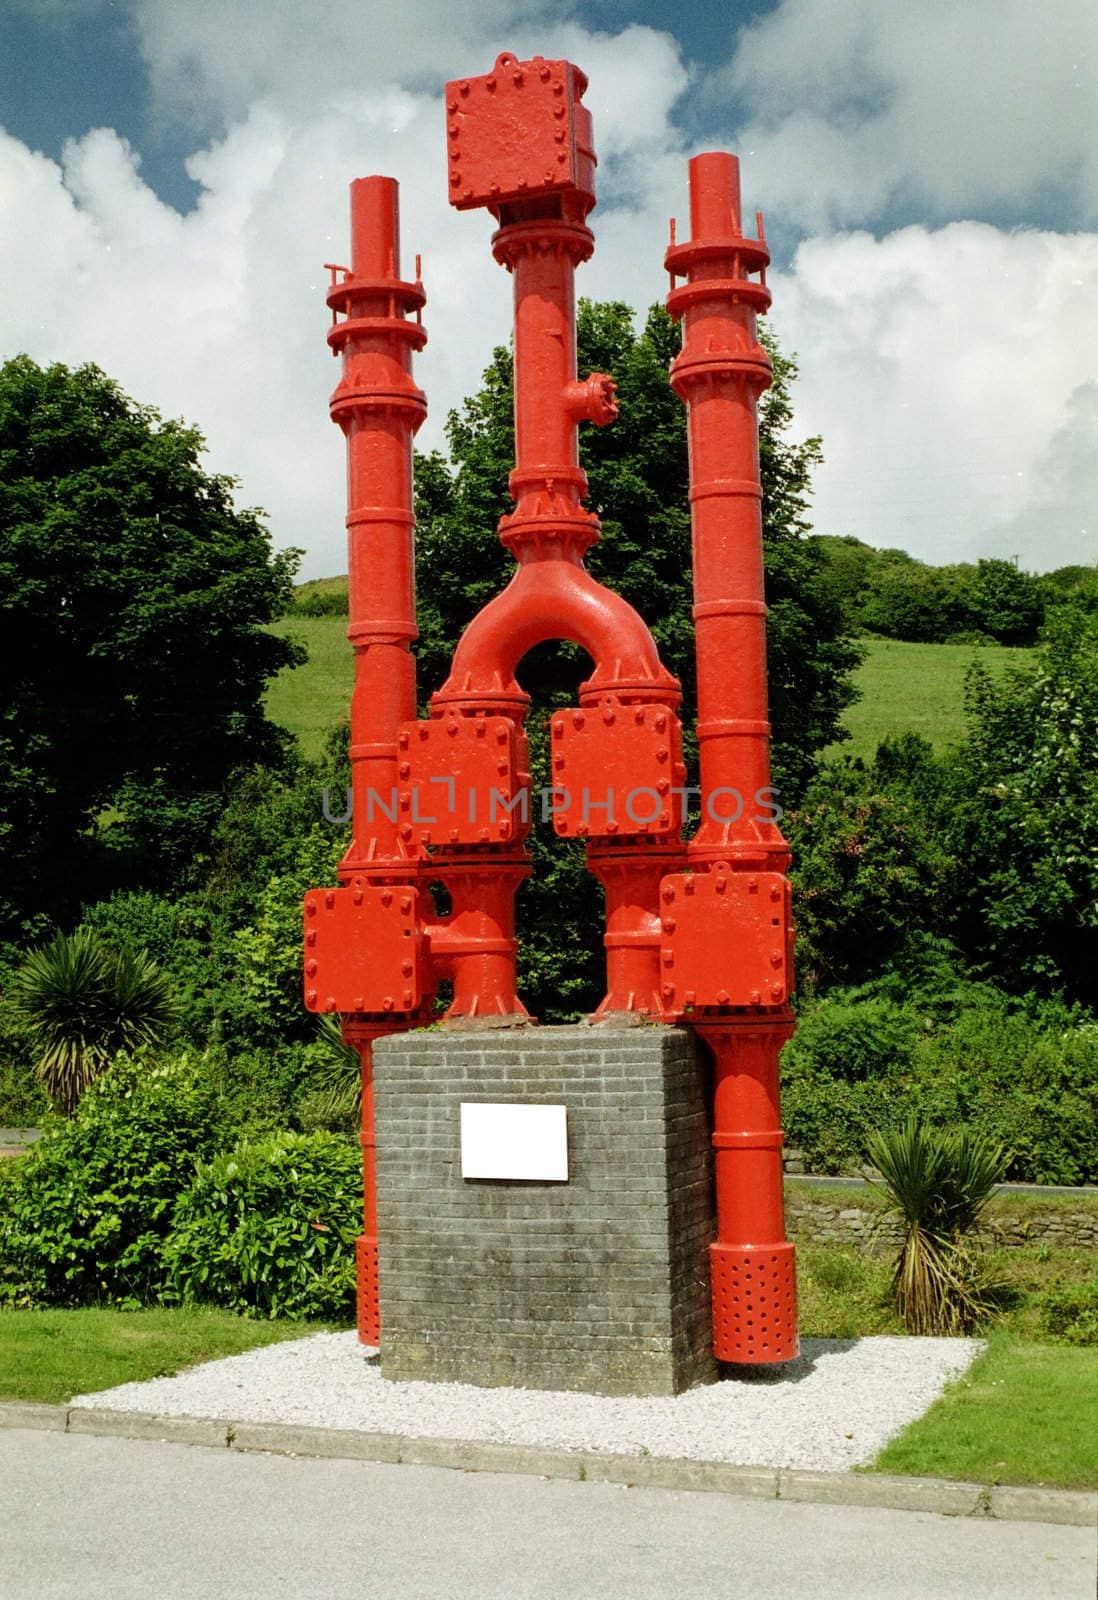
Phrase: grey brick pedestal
[600,1283]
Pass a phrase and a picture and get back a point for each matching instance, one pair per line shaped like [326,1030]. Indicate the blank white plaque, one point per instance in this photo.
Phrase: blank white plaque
[513,1141]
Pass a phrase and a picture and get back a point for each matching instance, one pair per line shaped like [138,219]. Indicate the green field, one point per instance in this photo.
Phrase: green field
[312,699]
[916,688]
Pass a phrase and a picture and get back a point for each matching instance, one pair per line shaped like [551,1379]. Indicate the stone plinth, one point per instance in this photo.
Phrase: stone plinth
[599,1283]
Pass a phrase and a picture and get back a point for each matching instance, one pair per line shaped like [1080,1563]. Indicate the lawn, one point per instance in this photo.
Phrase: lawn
[917,688]
[1024,1413]
[49,1356]
[1027,1410]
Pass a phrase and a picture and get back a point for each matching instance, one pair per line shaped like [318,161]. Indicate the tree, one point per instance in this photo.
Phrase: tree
[1021,819]
[132,601]
[870,873]
[637,472]
[1007,603]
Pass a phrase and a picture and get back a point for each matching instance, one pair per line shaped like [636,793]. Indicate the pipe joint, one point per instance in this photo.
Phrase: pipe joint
[593,399]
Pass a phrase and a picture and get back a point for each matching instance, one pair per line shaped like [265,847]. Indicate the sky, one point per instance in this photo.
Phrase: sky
[174,174]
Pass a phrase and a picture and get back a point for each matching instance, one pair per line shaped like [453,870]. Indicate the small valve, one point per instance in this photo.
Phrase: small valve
[593,399]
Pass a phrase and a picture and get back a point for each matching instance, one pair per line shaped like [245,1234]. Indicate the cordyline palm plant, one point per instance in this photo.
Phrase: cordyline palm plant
[83,1004]
[937,1182]
[337,1074]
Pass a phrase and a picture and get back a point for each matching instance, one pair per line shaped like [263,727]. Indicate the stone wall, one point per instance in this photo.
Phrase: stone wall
[599,1283]
[812,1216]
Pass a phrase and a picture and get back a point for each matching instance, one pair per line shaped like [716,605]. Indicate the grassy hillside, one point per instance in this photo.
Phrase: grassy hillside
[310,700]
[905,687]
[916,688]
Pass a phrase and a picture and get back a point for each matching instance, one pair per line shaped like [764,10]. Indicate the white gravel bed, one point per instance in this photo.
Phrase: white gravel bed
[831,1409]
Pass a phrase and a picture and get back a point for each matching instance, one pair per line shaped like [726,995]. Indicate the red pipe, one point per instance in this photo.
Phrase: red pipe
[497,127]
[379,408]
[719,375]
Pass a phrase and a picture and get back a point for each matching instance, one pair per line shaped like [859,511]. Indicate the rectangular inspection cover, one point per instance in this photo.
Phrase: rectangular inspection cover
[511,134]
[514,1141]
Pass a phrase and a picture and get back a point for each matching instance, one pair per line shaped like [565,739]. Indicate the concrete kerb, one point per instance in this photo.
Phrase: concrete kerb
[1025,1504]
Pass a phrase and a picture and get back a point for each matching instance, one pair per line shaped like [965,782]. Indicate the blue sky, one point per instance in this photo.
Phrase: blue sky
[173,175]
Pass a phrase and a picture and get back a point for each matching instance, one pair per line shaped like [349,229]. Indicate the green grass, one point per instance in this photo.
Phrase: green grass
[50,1356]
[312,699]
[915,688]
[1024,1413]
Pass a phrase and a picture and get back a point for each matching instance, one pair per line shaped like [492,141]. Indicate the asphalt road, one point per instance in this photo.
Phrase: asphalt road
[121,1519]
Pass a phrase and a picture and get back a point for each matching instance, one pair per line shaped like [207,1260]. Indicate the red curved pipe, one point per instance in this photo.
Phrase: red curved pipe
[555,599]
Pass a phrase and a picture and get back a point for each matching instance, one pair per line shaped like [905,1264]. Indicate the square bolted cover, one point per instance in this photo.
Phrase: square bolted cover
[726,939]
[512,133]
[461,781]
[616,771]
[361,950]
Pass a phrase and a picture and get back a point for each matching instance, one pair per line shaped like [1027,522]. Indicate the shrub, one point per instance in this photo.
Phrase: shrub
[83,1216]
[268,1228]
[937,1183]
[82,1004]
[1070,1312]
[1023,1075]
[181,934]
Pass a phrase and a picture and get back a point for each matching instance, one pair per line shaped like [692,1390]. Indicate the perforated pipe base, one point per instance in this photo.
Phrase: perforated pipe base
[754,1303]
[369,1309]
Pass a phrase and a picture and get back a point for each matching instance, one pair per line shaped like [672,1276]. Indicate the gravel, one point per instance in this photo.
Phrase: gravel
[830,1410]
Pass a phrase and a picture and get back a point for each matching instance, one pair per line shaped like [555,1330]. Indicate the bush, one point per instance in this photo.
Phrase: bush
[936,1183]
[268,1229]
[1023,1076]
[181,934]
[84,1216]
[1070,1312]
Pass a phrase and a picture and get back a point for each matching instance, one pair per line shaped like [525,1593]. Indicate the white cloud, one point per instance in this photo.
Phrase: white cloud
[941,366]
[938,365]
[1057,522]
[848,104]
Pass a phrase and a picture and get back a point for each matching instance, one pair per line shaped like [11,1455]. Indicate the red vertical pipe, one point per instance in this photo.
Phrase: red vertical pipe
[379,408]
[719,375]
[542,255]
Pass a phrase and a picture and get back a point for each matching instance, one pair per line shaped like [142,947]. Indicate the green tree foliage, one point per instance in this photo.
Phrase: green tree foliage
[889,592]
[1022,818]
[952,1053]
[638,486]
[1006,603]
[870,870]
[132,599]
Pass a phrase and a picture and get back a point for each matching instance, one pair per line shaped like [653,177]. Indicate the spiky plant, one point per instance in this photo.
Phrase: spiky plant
[337,1074]
[83,1004]
[937,1182]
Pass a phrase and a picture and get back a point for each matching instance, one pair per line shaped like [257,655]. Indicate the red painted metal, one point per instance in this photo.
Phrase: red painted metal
[701,933]
[617,771]
[359,941]
[727,933]
[520,144]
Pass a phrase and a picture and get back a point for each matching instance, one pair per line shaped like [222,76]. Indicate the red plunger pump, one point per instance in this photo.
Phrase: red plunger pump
[699,933]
